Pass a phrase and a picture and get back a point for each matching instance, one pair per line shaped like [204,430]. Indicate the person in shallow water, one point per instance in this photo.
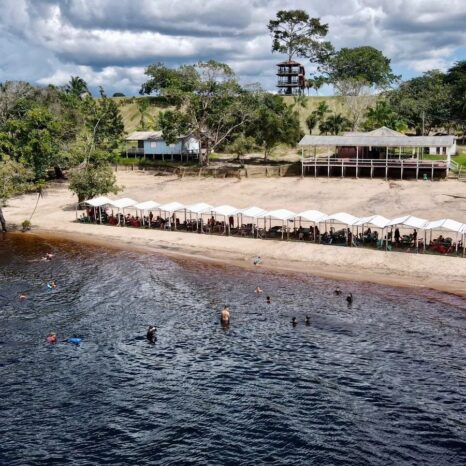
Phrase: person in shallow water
[349,298]
[151,333]
[307,321]
[258,290]
[337,291]
[258,260]
[293,322]
[225,315]
[52,284]
[52,338]
[22,296]
[268,300]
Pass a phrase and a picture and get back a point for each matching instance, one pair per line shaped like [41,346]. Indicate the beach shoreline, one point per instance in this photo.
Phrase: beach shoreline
[55,218]
[239,258]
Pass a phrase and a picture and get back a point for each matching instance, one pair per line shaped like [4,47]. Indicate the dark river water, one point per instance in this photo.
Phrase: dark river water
[382,382]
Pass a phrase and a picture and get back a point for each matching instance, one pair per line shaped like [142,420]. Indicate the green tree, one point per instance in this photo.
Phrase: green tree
[241,146]
[384,115]
[143,106]
[334,124]
[276,123]
[14,179]
[351,69]
[77,86]
[89,180]
[311,122]
[296,34]
[424,101]
[456,79]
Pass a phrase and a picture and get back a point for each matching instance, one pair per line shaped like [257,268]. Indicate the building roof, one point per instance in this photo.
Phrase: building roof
[143,135]
[368,140]
[383,131]
[288,63]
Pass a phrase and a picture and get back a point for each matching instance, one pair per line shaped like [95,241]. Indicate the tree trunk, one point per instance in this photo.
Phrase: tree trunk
[2,220]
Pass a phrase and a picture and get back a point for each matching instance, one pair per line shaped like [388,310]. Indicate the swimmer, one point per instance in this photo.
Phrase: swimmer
[257,260]
[48,257]
[307,321]
[337,291]
[268,300]
[52,284]
[349,298]
[225,315]
[22,296]
[293,322]
[151,336]
[258,290]
[52,338]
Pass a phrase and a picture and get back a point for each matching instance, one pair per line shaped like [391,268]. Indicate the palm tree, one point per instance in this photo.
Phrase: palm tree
[77,86]
[143,105]
[334,124]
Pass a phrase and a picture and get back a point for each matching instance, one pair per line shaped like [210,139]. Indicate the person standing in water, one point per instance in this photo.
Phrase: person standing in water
[307,321]
[293,322]
[337,291]
[268,300]
[151,333]
[258,290]
[349,298]
[225,315]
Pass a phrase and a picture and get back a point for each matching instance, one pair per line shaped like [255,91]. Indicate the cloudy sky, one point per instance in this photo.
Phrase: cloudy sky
[109,42]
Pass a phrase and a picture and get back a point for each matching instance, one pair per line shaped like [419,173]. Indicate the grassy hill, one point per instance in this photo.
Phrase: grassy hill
[131,115]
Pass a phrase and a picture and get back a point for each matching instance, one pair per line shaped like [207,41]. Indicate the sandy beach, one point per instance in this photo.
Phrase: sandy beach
[55,216]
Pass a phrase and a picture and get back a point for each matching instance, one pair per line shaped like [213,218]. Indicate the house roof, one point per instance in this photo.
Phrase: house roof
[289,62]
[368,140]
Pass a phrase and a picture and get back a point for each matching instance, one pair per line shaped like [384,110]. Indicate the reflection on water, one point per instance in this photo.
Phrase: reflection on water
[379,382]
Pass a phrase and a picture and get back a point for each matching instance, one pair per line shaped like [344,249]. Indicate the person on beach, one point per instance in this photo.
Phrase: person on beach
[397,236]
[349,298]
[151,333]
[225,315]
[293,322]
[337,291]
[258,260]
[258,290]
[268,300]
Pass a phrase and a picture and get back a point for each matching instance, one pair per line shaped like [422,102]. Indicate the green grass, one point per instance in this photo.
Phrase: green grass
[460,159]
[152,163]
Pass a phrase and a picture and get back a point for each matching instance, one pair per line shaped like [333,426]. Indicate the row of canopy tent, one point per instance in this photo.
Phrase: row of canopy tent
[256,213]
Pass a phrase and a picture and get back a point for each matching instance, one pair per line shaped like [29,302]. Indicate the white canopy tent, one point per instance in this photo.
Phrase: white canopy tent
[446,224]
[313,216]
[377,221]
[146,207]
[123,204]
[412,222]
[281,214]
[254,213]
[198,209]
[96,203]
[171,208]
[226,211]
[342,218]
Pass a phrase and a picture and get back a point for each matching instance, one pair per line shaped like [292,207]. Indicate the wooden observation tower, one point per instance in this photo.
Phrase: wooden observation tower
[291,79]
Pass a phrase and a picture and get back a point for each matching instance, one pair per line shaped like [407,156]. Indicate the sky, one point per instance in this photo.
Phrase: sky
[110,42]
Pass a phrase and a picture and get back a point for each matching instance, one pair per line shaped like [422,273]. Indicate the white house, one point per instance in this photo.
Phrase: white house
[151,143]
[446,150]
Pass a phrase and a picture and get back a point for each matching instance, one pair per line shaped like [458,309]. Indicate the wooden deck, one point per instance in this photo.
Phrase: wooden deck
[374,168]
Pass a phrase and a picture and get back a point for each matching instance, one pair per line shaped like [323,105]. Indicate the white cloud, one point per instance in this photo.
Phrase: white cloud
[110,42]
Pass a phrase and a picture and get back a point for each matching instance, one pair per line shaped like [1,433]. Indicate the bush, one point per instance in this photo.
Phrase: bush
[26,225]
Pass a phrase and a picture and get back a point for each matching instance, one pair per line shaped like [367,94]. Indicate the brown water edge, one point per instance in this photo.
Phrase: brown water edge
[226,259]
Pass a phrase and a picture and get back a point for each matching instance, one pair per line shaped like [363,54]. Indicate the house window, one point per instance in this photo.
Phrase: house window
[444,150]
[153,145]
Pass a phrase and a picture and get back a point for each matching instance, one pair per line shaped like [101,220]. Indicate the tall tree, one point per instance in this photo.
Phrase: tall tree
[352,69]
[423,102]
[296,34]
